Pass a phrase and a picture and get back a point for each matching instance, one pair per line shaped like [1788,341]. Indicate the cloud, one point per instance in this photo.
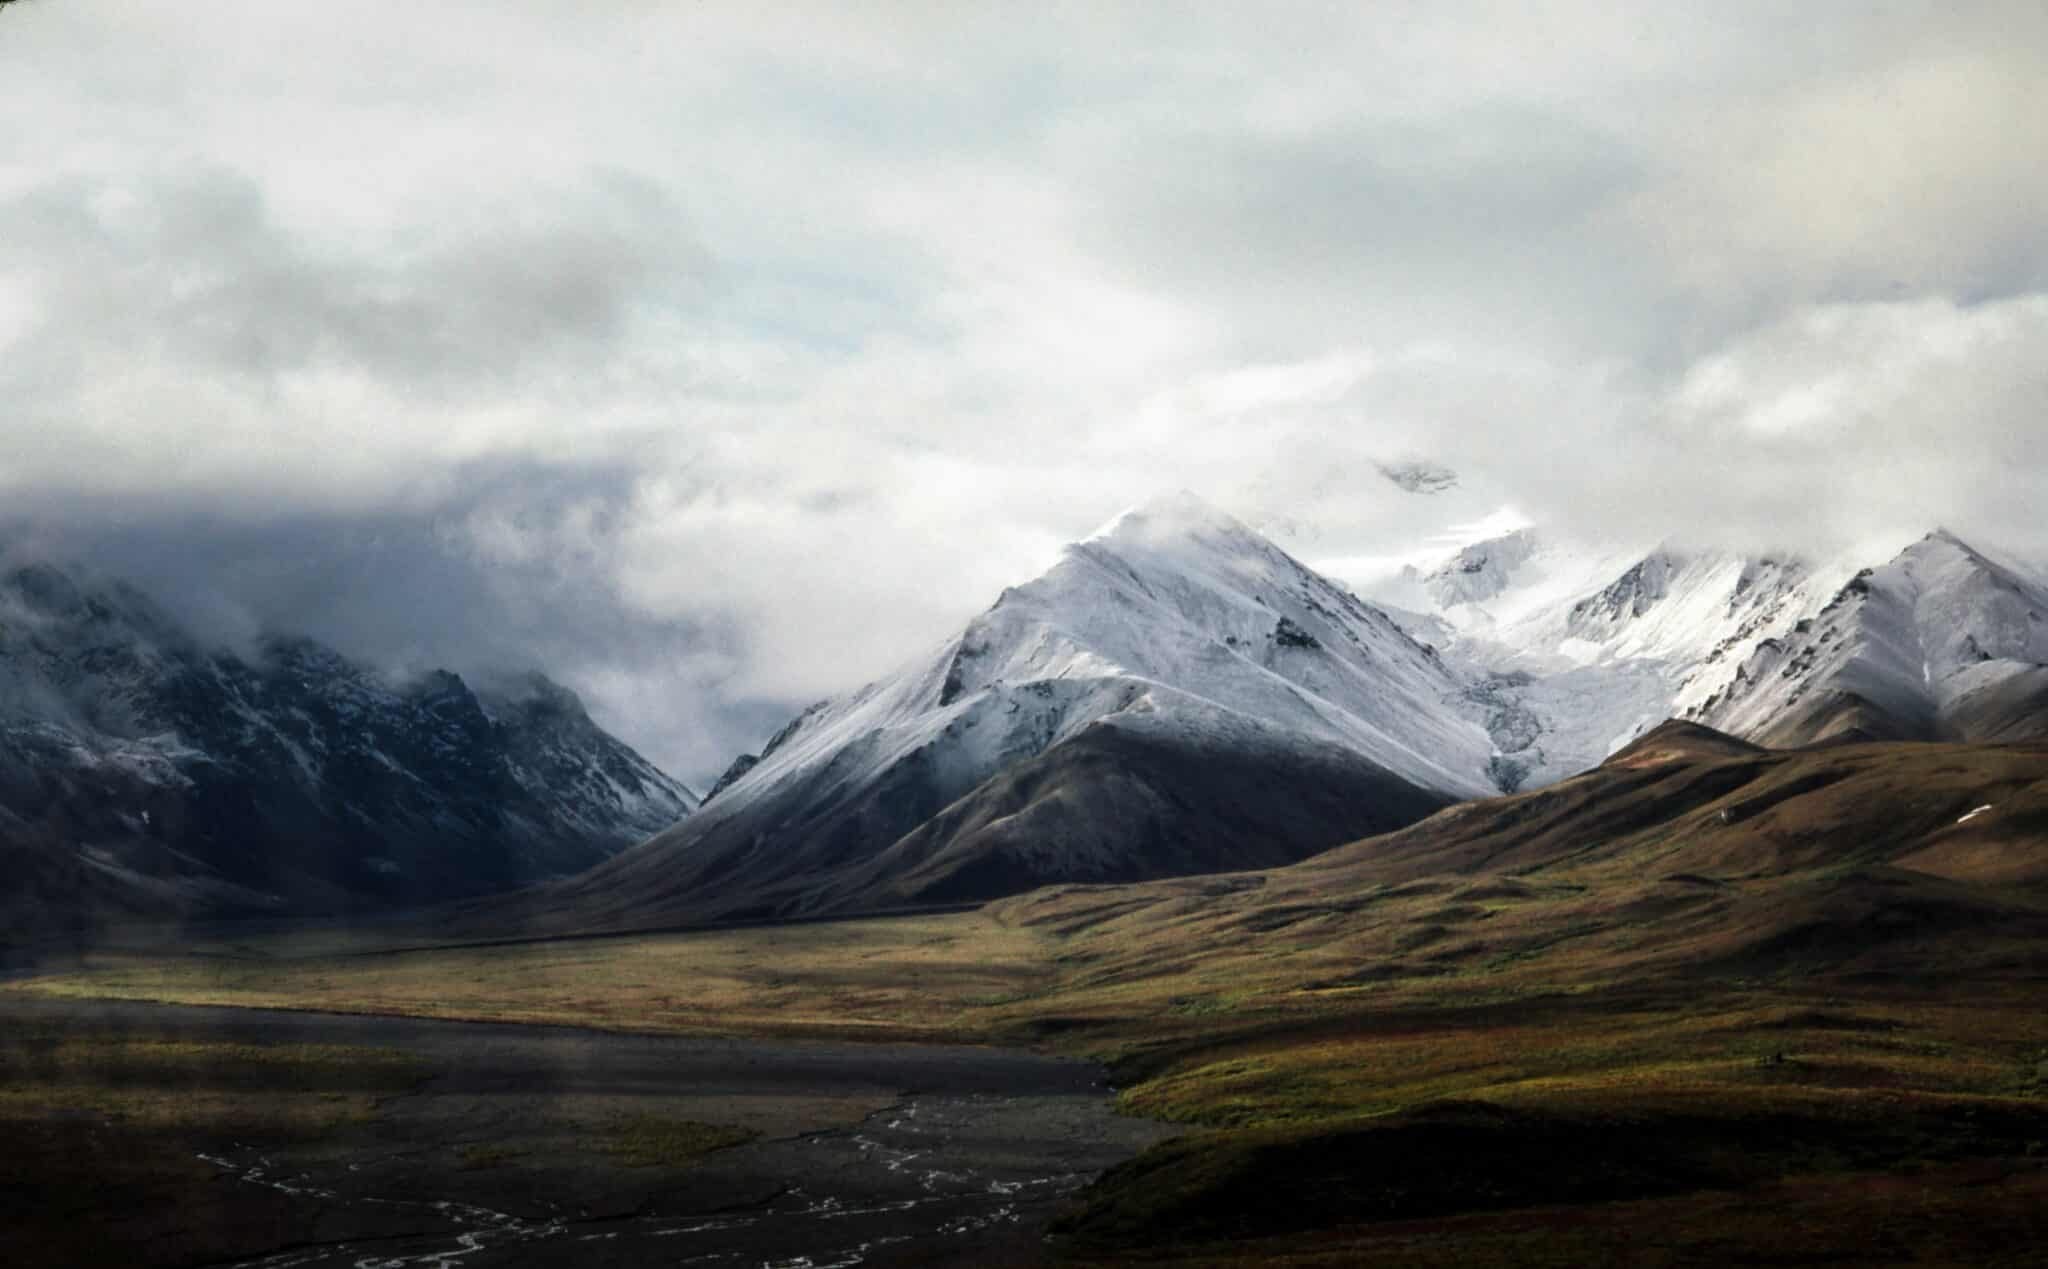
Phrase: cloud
[513,574]
[717,360]
[1912,177]
[1479,222]
[170,336]
[1855,420]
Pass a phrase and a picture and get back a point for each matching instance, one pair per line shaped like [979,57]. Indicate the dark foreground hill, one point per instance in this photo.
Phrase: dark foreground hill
[1700,967]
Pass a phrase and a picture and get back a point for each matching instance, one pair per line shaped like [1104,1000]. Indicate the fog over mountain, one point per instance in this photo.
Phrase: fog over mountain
[717,361]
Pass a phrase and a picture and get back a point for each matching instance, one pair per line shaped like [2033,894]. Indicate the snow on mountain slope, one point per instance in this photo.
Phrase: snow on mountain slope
[1174,615]
[1492,597]
[1921,647]
[1697,613]
[141,771]
[1574,651]
[1175,628]
[1102,721]
[1480,572]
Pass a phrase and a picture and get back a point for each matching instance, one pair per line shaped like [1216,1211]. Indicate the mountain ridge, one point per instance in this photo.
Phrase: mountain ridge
[146,774]
[1917,648]
[1093,723]
[1575,651]
[1177,640]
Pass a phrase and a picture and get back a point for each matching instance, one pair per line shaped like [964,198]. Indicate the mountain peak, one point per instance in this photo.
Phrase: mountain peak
[531,692]
[284,777]
[1943,548]
[1942,536]
[1419,475]
[1480,570]
[1176,668]
[1172,515]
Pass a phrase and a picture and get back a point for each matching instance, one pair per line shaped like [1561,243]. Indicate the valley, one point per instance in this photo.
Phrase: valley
[282,1139]
[1571,1022]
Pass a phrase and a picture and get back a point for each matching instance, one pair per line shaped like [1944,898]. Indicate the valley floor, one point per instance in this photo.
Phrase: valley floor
[173,1136]
[1478,1118]
[1704,1005]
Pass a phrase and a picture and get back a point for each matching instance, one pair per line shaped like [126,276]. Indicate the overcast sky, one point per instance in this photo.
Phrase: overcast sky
[717,360]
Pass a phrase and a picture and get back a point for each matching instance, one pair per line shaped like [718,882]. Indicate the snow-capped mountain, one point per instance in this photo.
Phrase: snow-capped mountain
[1942,642]
[1176,693]
[1573,652]
[1521,598]
[1570,652]
[142,772]
[1483,571]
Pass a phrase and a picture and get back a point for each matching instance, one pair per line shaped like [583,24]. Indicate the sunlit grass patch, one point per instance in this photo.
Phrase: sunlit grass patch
[155,1082]
[651,1141]
[914,978]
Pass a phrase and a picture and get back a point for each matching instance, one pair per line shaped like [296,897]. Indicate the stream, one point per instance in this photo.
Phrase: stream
[967,1178]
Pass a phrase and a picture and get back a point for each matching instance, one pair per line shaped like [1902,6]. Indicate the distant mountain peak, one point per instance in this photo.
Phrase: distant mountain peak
[1941,550]
[530,691]
[1181,513]
[1480,570]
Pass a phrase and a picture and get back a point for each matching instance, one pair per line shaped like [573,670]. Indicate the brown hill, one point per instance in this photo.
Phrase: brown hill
[1698,968]
[1688,853]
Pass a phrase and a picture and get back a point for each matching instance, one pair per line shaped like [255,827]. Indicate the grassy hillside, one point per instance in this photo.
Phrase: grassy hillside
[1682,863]
[1699,968]
[1563,1021]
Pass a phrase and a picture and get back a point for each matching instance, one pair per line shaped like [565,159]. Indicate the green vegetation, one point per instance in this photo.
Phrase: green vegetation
[1425,1114]
[896,980]
[166,1083]
[656,1141]
[490,1154]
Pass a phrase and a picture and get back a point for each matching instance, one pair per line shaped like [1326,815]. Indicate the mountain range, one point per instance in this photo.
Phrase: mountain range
[144,774]
[1577,651]
[1178,695]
